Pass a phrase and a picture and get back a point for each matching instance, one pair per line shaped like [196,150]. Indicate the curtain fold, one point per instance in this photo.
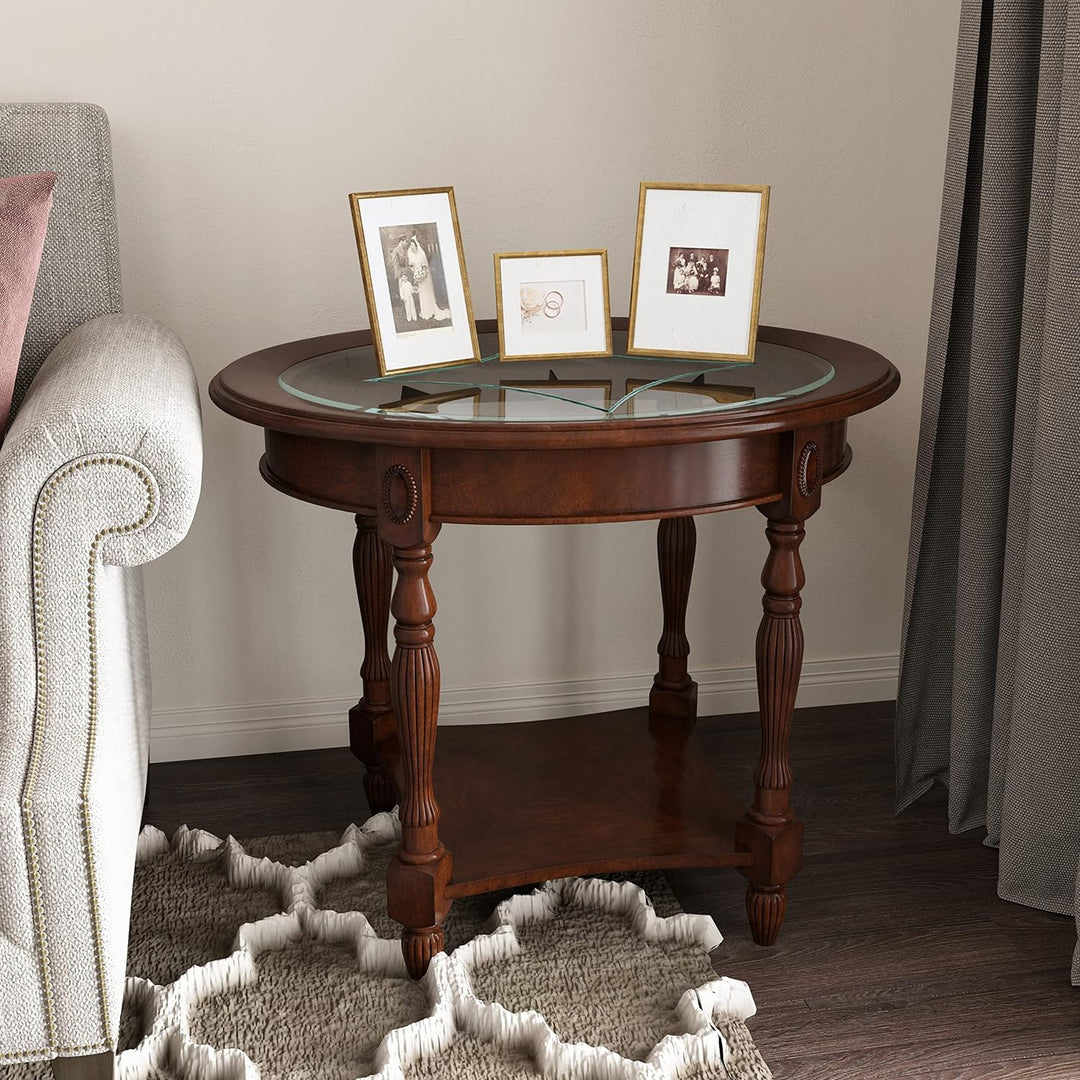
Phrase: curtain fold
[989,696]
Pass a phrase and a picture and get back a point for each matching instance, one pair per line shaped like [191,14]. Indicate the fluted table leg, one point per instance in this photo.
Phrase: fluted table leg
[416,879]
[673,692]
[372,718]
[418,876]
[769,828]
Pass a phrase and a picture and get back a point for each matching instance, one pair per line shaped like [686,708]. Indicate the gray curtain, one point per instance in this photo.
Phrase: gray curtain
[989,698]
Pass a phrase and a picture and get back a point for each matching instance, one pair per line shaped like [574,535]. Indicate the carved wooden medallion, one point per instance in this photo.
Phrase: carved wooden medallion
[400,495]
[808,475]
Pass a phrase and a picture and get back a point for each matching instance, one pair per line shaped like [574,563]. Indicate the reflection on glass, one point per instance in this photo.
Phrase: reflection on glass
[671,397]
[581,390]
[455,404]
[536,399]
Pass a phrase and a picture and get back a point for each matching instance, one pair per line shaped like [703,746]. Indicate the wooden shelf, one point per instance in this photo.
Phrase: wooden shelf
[521,803]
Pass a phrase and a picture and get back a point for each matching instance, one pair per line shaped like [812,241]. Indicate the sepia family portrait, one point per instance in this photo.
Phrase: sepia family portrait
[697,271]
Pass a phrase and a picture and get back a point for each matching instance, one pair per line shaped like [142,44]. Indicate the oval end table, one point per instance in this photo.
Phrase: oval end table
[614,438]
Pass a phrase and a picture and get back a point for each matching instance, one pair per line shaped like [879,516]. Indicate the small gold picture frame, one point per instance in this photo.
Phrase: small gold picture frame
[552,305]
[698,261]
[415,283]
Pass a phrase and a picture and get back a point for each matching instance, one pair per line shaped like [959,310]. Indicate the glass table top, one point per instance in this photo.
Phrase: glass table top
[550,391]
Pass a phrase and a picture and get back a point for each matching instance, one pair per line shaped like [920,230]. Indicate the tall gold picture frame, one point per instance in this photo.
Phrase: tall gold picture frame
[415,282]
[709,312]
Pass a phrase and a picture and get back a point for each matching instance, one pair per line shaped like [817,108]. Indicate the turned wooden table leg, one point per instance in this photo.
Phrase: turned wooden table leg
[417,879]
[769,828]
[372,718]
[673,692]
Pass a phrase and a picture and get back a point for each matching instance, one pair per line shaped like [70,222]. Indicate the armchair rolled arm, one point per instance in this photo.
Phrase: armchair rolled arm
[115,408]
[101,465]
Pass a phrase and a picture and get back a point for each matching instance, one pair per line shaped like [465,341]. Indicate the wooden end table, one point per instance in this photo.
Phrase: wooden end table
[550,442]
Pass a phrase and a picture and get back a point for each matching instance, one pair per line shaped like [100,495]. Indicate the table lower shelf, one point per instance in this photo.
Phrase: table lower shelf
[521,803]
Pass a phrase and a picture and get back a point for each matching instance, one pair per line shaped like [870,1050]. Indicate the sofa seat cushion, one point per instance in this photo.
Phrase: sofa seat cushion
[24,214]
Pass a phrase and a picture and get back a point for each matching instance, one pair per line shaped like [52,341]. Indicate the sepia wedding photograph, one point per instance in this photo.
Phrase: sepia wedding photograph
[414,278]
[414,274]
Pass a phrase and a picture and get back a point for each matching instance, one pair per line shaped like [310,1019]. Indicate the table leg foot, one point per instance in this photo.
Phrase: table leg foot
[379,790]
[419,946]
[681,704]
[416,898]
[765,907]
[367,726]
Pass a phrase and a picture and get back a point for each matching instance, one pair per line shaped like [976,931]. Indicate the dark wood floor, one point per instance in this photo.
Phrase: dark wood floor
[896,959]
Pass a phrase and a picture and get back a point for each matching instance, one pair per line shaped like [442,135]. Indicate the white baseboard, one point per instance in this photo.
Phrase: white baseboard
[230,730]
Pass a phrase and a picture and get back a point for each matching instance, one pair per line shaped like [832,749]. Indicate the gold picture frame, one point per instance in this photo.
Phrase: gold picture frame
[688,219]
[444,336]
[536,333]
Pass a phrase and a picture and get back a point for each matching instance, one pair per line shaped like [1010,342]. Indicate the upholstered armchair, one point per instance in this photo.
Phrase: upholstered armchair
[99,472]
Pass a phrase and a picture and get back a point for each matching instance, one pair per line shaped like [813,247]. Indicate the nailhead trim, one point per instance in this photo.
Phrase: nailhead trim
[38,746]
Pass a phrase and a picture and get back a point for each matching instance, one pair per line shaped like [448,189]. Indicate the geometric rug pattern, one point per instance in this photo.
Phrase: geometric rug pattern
[276,958]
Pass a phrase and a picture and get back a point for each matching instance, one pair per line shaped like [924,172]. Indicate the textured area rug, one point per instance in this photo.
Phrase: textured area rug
[276,958]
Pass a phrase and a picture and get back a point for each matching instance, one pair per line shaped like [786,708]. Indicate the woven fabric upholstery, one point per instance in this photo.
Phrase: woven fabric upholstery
[25,202]
[989,680]
[79,277]
[100,472]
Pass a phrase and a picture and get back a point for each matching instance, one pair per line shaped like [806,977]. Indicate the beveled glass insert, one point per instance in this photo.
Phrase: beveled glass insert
[549,391]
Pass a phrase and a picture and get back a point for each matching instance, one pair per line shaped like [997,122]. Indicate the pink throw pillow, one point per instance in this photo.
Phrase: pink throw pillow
[25,202]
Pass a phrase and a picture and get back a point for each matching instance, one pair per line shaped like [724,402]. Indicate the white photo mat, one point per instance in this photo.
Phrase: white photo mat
[702,323]
[552,304]
[398,346]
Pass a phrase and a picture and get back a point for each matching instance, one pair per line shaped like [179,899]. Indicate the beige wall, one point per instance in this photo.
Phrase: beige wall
[238,130]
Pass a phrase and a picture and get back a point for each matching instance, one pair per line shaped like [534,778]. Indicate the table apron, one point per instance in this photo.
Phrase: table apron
[508,487]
